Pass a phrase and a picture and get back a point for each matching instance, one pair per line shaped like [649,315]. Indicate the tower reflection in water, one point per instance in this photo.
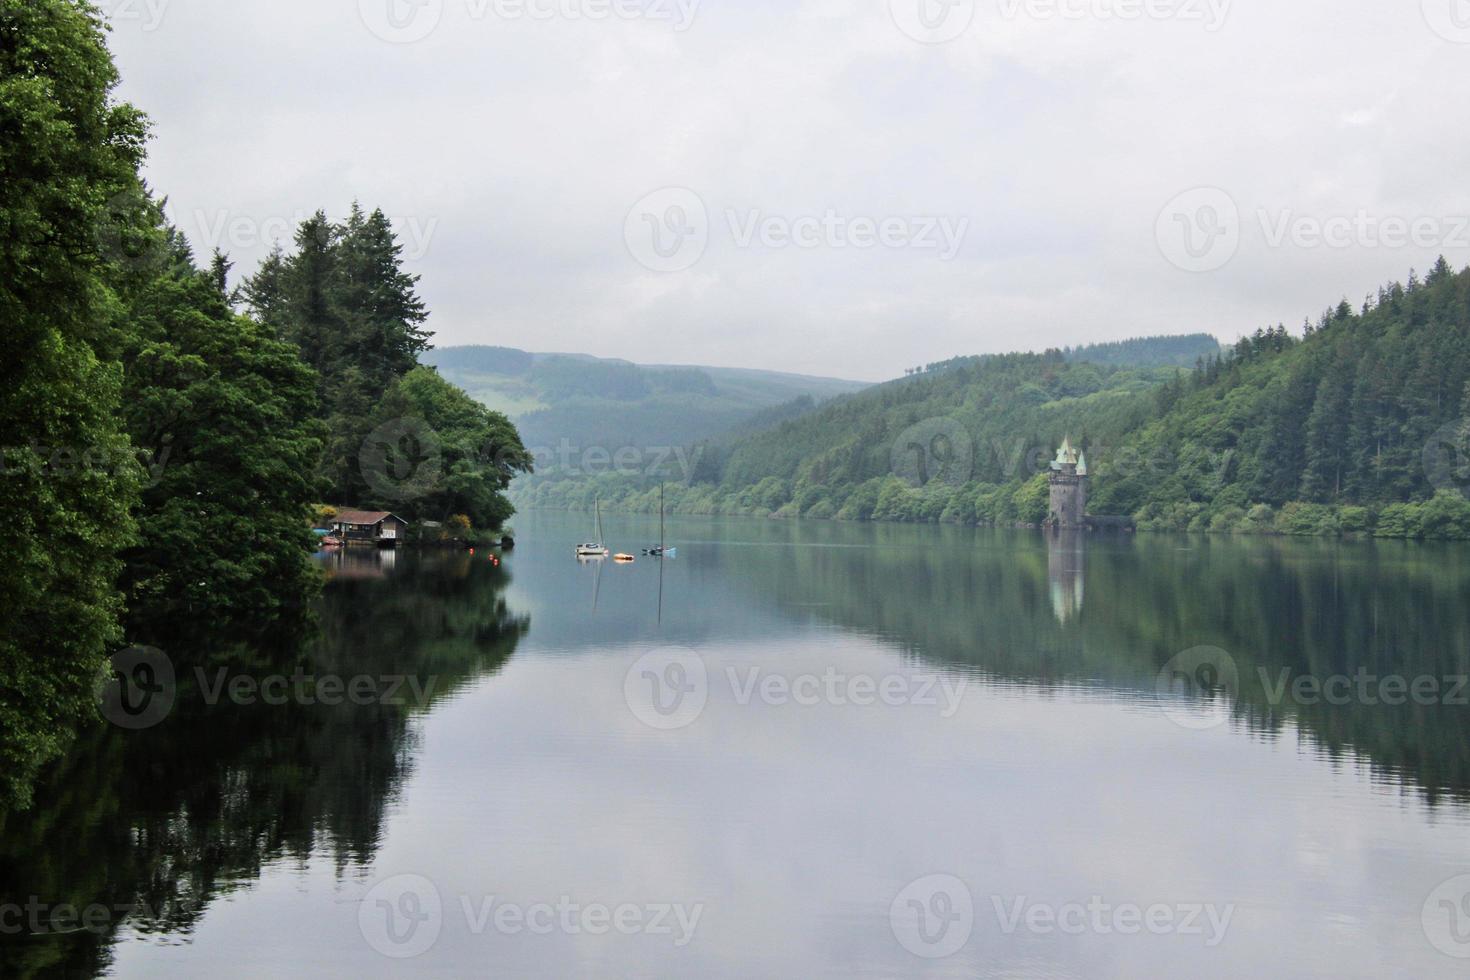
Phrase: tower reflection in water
[1066,554]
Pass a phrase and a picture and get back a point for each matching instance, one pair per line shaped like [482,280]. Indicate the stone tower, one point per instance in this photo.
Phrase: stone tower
[1068,488]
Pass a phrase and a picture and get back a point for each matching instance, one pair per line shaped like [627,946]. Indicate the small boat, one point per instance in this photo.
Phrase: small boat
[660,551]
[625,559]
[595,549]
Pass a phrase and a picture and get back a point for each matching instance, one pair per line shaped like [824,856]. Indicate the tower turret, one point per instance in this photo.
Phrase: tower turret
[1068,488]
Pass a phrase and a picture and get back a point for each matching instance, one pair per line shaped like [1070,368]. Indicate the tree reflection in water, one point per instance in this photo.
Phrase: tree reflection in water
[155,825]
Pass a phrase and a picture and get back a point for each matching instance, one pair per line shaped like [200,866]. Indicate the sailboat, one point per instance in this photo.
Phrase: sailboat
[661,551]
[595,549]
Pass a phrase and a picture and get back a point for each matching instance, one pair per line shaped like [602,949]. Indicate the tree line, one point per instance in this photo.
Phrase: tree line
[165,449]
[1352,425]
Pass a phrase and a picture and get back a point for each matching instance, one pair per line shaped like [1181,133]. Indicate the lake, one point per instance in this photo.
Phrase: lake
[793,750]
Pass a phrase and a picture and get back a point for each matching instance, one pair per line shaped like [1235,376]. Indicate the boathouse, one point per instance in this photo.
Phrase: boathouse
[372,527]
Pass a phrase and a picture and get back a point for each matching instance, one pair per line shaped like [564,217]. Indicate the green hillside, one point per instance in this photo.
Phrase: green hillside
[585,402]
[1352,426]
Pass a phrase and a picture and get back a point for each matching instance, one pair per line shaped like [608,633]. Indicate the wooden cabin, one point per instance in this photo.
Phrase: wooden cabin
[374,527]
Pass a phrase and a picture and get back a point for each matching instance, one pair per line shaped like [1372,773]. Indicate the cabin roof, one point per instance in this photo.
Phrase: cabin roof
[365,518]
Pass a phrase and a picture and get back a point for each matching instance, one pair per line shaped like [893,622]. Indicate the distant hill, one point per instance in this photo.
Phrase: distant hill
[601,402]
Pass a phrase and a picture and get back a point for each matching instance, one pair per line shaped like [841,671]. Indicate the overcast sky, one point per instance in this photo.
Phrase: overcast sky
[836,187]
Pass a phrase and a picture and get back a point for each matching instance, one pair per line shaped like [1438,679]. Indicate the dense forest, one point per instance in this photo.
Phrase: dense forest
[168,449]
[1352,425]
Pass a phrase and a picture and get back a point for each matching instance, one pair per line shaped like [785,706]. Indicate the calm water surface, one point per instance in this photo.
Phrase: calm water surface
[797,750]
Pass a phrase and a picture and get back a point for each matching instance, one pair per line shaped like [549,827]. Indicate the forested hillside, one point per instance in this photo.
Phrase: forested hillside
[1181,351]
[984,427]
[1336,429]
[1354,424]
[585,402]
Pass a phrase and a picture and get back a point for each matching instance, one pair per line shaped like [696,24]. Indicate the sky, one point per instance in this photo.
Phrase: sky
[837,187]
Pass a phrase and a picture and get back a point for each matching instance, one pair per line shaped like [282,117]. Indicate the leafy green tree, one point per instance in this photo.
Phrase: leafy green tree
[475,453]
[68,152]
[225,413]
